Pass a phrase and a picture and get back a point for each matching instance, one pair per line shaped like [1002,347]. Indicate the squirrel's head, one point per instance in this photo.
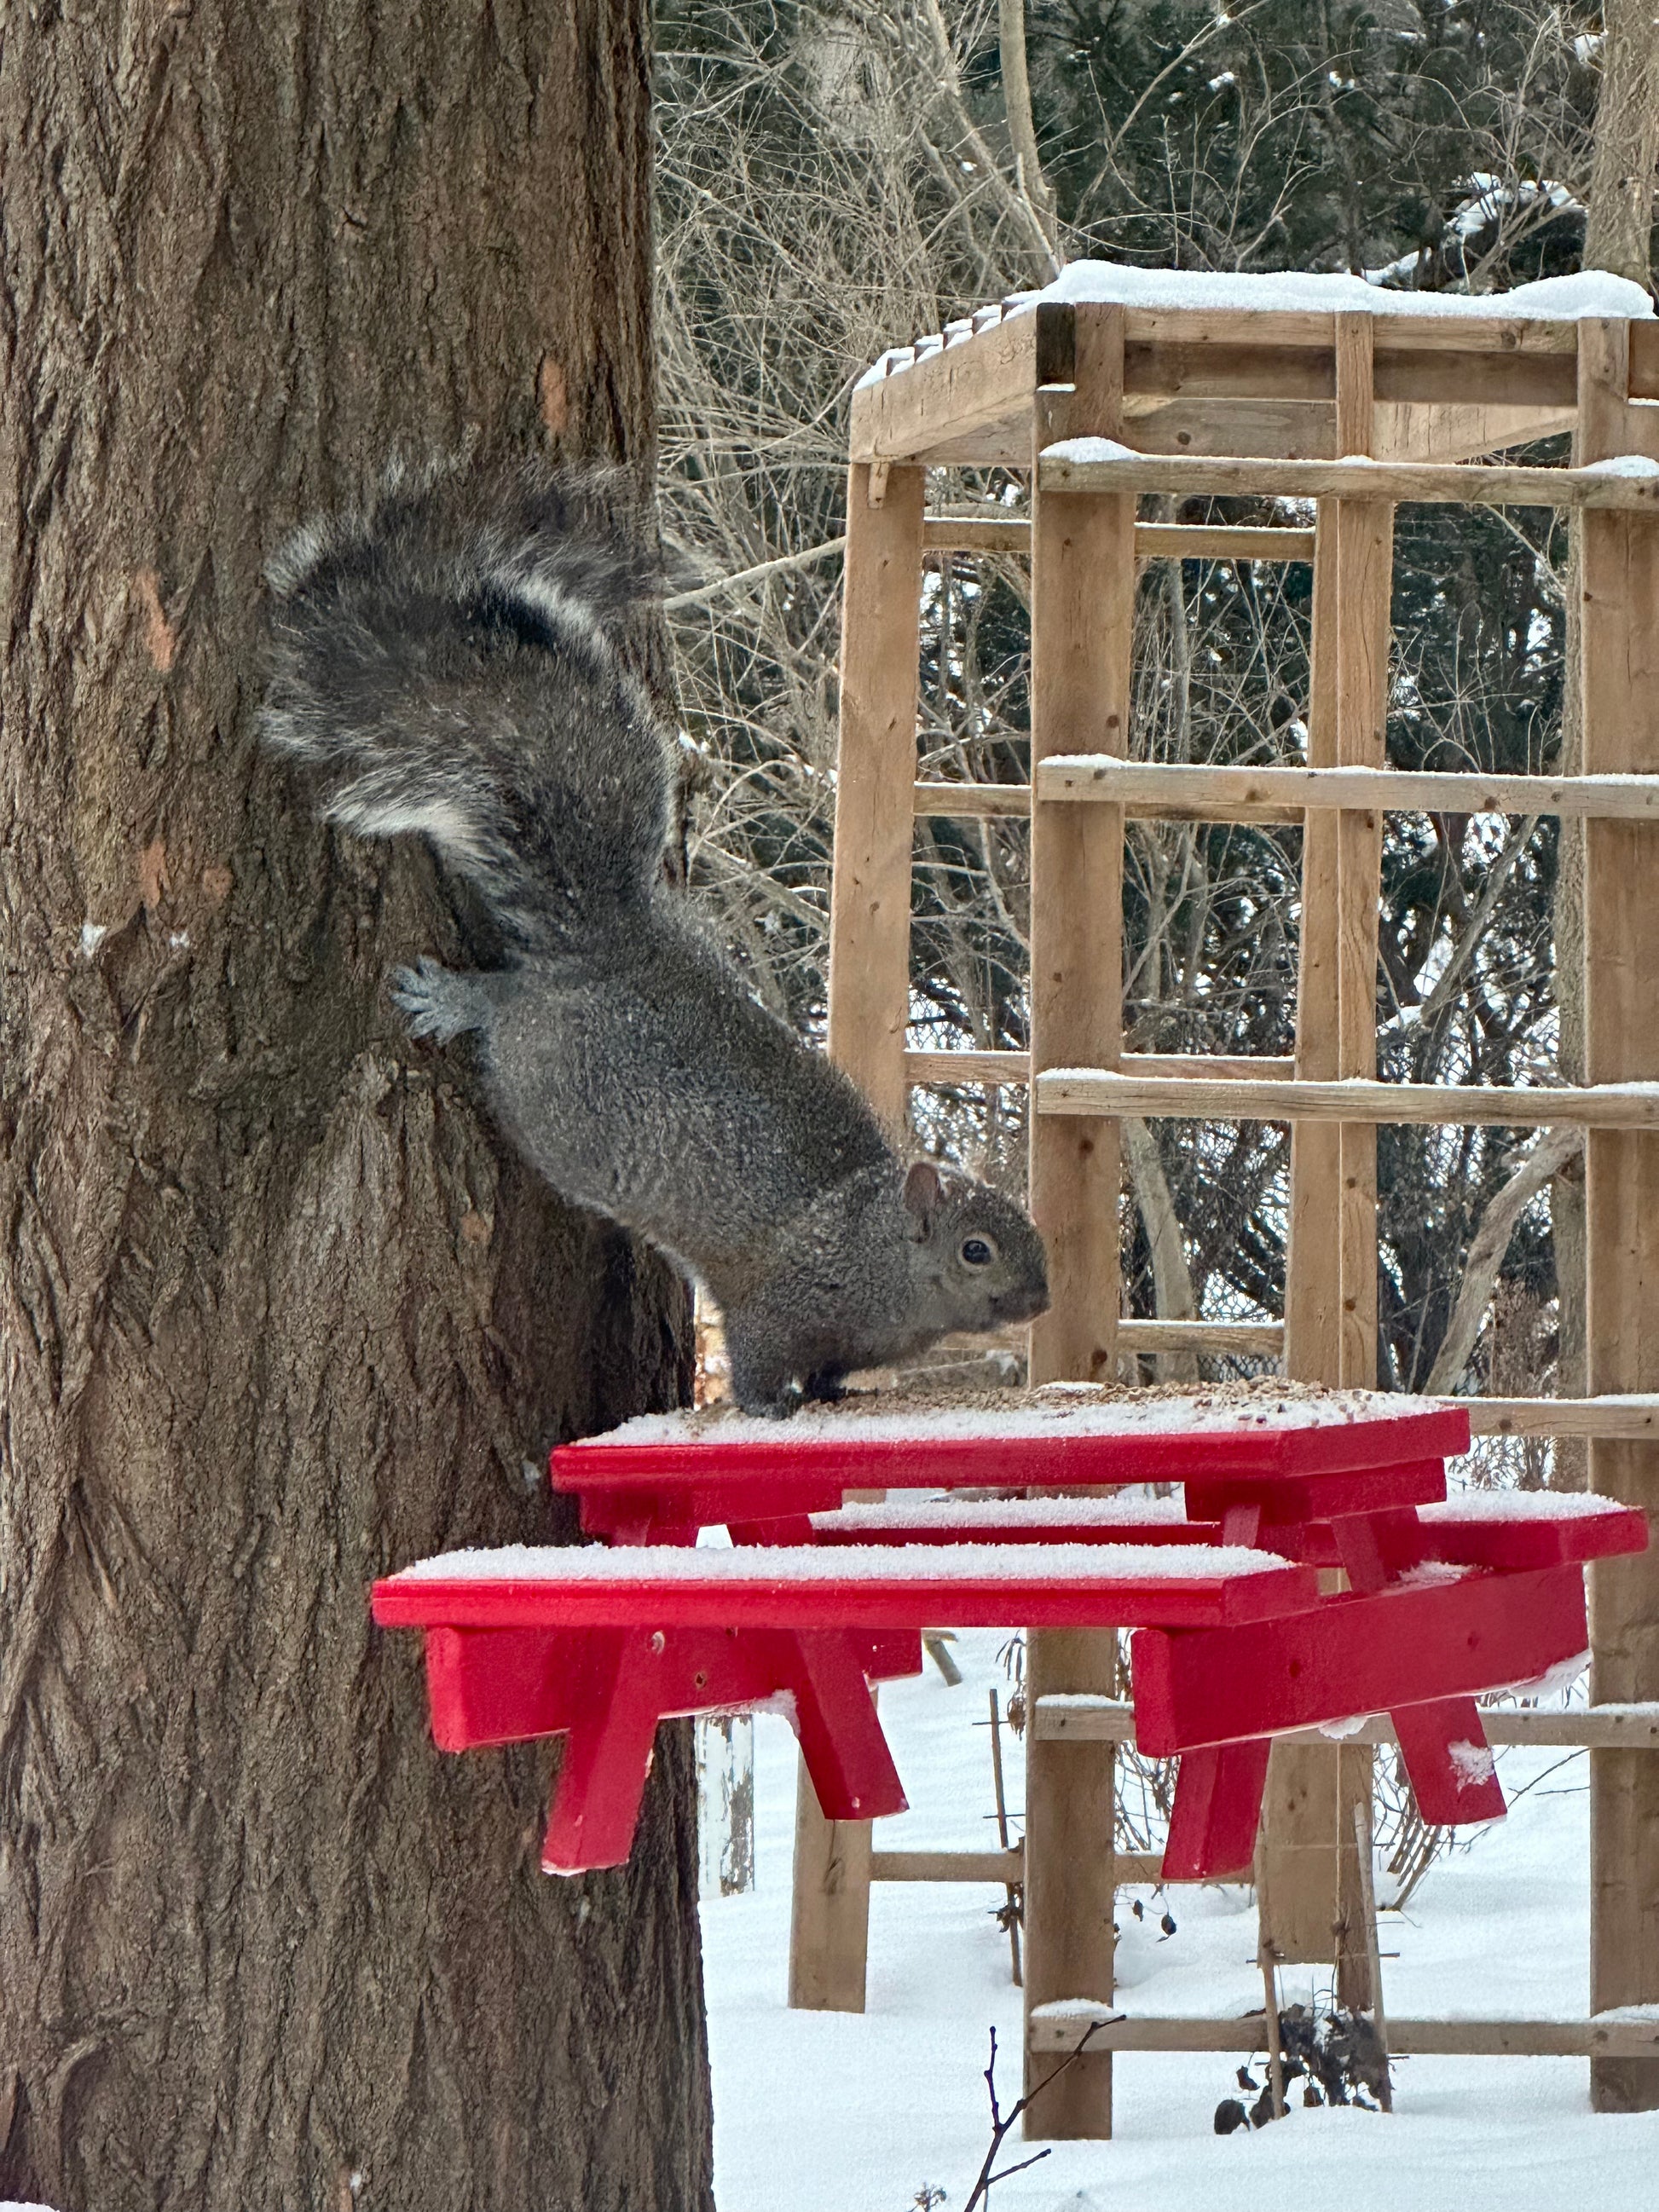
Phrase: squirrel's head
[977,1261]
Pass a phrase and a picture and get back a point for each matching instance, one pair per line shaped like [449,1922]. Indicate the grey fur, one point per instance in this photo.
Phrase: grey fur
[446,658]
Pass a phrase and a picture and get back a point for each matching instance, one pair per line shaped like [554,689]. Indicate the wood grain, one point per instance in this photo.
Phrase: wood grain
[1620,607]
[869,1012]
[870,896]
[1096,1091]
[1083,592]
[1465,484]
[1407,2038]
[1197,790]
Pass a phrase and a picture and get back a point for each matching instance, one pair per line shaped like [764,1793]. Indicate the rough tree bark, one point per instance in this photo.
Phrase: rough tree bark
[278,1312]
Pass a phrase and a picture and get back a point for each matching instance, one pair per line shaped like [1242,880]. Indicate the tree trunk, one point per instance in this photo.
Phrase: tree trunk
[1618,226]
[280,1312]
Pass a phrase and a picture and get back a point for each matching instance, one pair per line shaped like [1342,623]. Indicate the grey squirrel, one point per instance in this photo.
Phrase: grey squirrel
[445,656]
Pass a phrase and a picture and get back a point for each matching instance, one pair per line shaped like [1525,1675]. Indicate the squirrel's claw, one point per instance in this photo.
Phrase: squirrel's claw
[436,1002]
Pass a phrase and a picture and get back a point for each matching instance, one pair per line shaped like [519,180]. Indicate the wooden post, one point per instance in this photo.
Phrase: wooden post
[870,896]
[1071,1880]
[1620,584]
[1307,1872]
[1313,1267]
[869,1001]
[1083,594]
[1365,578]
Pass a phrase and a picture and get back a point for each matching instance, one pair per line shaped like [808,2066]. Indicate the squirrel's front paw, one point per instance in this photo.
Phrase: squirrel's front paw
[769,1405]
[436,1001]
[780,1408]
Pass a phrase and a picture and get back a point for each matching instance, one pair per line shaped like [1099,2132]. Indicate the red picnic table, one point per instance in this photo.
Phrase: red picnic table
[813,1600]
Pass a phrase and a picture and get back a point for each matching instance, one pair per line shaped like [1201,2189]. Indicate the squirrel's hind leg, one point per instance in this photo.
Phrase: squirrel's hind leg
[438,1002]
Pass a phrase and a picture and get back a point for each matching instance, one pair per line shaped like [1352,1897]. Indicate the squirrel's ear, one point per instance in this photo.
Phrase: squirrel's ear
[923,1189]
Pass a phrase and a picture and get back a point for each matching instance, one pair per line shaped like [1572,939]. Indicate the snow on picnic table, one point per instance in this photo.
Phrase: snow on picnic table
[838,2113]
[883,1563]
[1076,1409]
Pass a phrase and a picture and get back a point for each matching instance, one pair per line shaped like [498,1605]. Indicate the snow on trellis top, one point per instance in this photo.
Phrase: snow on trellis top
[1592,293]
[1053,1410]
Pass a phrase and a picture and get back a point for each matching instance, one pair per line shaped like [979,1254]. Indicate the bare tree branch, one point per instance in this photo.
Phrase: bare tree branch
[761,568]
[1029,178]
[1486,1255]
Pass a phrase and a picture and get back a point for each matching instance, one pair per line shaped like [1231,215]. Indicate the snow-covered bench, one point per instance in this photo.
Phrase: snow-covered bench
[600,1644]
[1232,1646]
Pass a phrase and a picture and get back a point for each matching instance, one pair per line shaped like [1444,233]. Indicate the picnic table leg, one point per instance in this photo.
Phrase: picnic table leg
[607,1757]
[1445,1747]
[847,1777]
[847,1756]
[1218,1804]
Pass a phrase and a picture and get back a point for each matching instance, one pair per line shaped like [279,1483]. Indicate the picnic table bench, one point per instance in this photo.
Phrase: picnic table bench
[1234,1640]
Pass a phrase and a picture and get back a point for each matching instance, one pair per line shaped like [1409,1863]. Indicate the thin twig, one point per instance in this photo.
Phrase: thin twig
[1000,2127]
[1013,1902]
[1275,2062]
[752,575]
[1362,1836]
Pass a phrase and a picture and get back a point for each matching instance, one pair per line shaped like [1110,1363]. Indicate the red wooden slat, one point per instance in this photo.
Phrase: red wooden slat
[1070,1599]
[789,1456]
[1019,1532]
[1322,1495]
[494,1685]
[1403,1646]
[1218,1803]
[1533,1542]
[1480,1540]
[657,1509]
[607,1758]
[1441,1744]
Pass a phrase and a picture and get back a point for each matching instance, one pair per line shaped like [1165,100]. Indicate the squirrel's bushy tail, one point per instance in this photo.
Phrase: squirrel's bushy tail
[443,654]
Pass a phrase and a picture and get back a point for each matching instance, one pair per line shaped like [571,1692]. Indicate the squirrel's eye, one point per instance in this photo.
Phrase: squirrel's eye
[978,1252]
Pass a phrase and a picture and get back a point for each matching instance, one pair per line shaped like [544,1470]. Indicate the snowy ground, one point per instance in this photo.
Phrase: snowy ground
[828,2112]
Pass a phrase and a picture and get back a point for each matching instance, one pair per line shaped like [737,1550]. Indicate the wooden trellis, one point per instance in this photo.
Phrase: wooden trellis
[1263,402]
